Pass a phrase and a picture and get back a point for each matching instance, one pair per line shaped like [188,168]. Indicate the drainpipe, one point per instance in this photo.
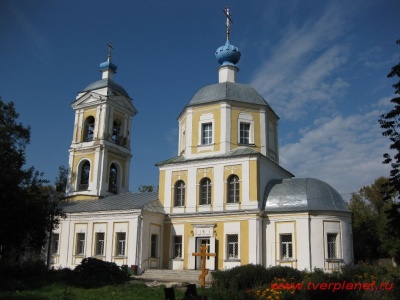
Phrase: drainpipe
[309,241]
[139,241]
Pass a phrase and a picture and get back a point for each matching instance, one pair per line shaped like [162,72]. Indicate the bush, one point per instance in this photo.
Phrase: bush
[93,272]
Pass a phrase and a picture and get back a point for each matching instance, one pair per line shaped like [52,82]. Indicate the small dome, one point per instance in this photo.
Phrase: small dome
[302,194]
[227,54]
[108,65]
[103,83]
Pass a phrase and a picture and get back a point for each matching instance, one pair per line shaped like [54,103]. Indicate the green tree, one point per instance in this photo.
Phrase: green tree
[146,188]
[390,123]
[371,228]
[25,202]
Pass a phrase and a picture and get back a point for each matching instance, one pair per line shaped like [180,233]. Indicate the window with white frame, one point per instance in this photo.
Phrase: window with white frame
[245,129]
[206,134]
[205,191]
[99,243]
[232,241]
[286,246]
[233,189]
[80,244]
[55,239]
[244,133]
[120,244]
[332,245]
[154,246]
[179,193]
[177,251]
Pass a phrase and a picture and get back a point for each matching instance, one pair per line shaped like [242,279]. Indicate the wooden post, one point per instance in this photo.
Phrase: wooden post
[203,254]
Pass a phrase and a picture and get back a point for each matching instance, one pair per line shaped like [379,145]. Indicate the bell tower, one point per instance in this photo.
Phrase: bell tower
[100,152]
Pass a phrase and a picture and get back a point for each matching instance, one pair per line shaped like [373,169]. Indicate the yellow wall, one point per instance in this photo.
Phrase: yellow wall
[219,232]
[200,174]
[233,170]
[161,186]
[236,110]
[122,163]
[188,234]
[244,242]
[87,113]
[78,156]
[197,112]
[254,180]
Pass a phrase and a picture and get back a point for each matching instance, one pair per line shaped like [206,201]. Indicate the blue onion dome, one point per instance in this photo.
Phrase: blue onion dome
[227,54]
[108,65]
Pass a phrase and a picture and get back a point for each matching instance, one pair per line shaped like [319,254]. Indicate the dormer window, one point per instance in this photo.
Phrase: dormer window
[88,134]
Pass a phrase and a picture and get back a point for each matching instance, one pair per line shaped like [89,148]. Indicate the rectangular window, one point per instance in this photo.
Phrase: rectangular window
[177,246]
[80,244]
[99,246]
[206,137]
[286,246]
[120,243]
[233,245]
[54,243]
[332,245]
[244,133]
[154,246]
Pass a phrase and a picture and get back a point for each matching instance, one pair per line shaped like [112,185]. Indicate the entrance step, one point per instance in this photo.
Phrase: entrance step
[166,275]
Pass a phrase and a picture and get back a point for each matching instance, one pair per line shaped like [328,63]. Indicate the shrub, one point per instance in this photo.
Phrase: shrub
[93,272]
[239,278]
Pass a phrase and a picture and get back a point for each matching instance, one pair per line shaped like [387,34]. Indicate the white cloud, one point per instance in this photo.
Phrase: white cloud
[301,68]
[346,152]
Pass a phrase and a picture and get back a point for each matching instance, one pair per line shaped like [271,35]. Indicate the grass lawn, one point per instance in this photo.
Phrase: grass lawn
[137,291]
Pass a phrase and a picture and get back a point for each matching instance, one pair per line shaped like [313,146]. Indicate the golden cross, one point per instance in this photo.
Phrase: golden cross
[110,47]
[203,254]
[228,21]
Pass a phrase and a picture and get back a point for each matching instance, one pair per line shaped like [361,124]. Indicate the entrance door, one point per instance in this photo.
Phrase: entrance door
[210,243]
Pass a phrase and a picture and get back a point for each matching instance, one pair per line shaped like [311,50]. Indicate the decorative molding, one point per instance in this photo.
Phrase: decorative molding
[231,168]
[179,174]
[204,171]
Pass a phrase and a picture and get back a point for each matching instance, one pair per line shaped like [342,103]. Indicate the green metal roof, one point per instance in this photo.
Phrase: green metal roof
[240,151]
[125,201]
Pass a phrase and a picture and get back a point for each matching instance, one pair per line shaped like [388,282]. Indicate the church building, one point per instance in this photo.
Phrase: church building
[225,188]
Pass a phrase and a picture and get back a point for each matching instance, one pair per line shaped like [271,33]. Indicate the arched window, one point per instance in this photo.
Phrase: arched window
[180,193]
[116,131]
[233,189]
[88,133]
[84,179]
[205,191]
[112,185]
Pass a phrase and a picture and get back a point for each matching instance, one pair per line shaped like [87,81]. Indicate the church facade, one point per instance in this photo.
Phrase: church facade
[224,189]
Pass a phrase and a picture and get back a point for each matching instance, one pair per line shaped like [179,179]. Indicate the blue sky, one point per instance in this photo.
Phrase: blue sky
[321,65]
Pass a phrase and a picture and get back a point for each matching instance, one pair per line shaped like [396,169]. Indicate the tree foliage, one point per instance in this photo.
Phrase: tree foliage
[25,198]
[371,227]
[390,123]
[146,188]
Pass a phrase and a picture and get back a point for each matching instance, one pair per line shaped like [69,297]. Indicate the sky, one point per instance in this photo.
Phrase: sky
[321,65]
